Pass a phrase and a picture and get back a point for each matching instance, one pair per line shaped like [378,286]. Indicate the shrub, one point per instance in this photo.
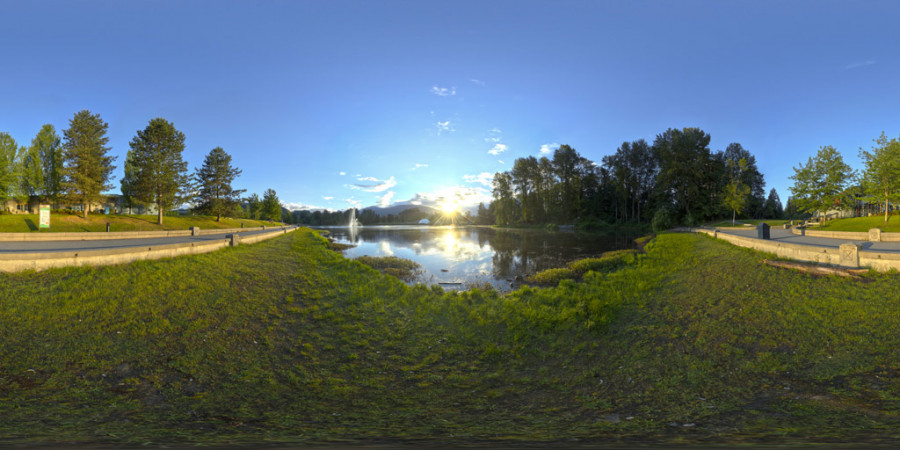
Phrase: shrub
[607,262]
[404,269]
[552,276]
[662,220]
[590,224]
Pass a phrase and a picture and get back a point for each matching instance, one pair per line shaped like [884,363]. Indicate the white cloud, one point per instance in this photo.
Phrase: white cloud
[353,202]
[495,130]
[376,185]
[500,161]
[444,126]
[498,149]
[859,64]
[478,82]
[484,178]
[385,199]
[443,92]
[419,166]
[342,173]
[491,139]
[294,206]
[328,197]
[547,149]
[466,197]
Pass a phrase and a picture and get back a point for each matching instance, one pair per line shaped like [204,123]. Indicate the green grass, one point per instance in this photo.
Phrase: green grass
[402,268]
[607,262]
[286,341]
[864,224]
[67,222]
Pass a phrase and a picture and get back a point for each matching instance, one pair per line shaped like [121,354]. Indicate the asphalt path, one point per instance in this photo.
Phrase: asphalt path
[61,246]
[782,235]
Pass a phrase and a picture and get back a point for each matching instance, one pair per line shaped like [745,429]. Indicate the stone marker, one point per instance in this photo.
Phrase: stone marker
[762,231]
[849,254]
[234,239]
[195,231]
[875,235]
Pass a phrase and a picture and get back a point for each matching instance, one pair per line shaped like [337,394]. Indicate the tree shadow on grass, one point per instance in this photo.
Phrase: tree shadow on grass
[31,225]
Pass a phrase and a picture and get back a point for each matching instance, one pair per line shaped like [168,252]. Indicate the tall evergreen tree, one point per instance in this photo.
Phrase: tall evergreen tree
[773,208]
[49,148]
[271,207]
[88,167]
[160,174]
[215,196]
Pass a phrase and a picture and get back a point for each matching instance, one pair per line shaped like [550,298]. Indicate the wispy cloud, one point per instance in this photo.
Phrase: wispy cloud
[500,161]
[547,149]
[443,92]
[385,199]
[444,126]
[493,135]
[342,173]
[419,166]
[498,149]
[374,184]
[353,202]
[294,206]
[859,64]
[478,82]
[485,178]
[328,197]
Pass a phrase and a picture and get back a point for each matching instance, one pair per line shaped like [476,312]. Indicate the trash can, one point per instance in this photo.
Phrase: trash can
[762,231]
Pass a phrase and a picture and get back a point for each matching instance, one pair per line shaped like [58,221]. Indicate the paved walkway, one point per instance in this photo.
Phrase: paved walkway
[782,235]
[56,246]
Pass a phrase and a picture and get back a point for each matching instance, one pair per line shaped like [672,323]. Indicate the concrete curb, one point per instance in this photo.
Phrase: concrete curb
[16,262]
[848,254]
[100,235]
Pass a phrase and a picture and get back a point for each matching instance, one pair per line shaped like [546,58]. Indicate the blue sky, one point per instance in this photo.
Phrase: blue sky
[335,103]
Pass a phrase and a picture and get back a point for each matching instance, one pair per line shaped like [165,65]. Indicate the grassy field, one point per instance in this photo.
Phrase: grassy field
[864,224]
[288,342]
[65,222]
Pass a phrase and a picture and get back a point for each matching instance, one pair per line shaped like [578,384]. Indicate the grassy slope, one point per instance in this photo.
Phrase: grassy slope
[63,222]
[287,341]
[864,224]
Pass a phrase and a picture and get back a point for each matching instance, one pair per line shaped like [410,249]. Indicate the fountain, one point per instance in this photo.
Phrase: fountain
[353,222]
[353,225]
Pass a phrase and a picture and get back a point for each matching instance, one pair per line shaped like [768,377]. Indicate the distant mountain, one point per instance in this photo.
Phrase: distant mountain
[398,208]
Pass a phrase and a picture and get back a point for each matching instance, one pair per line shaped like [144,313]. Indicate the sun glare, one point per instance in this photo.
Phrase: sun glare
[450,207]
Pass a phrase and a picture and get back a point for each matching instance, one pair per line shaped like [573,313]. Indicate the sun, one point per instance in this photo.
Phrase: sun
[450,207]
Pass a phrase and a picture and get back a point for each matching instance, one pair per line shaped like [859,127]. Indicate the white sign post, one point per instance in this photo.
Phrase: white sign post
[44,216]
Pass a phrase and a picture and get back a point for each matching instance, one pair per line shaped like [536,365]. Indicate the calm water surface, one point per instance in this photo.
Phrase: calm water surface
[459,257]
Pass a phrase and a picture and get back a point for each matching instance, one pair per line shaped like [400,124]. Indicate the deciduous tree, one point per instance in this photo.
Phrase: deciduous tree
[881,177]
[822,184]
[49,147]
[9,177]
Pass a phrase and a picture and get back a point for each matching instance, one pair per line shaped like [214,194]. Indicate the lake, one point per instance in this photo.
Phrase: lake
[459,257]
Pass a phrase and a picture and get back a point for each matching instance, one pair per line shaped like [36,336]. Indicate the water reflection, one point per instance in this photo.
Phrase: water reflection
[461,256]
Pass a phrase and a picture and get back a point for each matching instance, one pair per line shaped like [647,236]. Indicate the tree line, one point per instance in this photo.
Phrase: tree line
[826,183]
[677,179]
[77,167]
